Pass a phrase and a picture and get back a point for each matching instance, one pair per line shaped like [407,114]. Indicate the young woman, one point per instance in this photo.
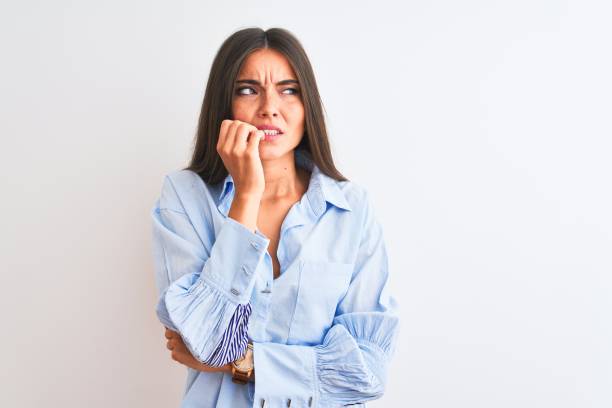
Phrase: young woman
[271,266]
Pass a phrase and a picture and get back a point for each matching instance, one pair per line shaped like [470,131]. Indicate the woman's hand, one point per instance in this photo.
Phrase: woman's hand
[181,354]
[238,146]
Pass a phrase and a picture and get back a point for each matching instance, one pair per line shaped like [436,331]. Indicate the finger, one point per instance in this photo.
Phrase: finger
[240,138]
[225,125]
[169,346]
[168,333]
[178,343]
[172,333]
[230,136]
[254,139]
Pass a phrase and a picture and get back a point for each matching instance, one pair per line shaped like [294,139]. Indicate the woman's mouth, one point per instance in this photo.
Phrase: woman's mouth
[272,135]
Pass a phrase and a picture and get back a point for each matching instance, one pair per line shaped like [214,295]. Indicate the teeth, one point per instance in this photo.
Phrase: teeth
[270,132]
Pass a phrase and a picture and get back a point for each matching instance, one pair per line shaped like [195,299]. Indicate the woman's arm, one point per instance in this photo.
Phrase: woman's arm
[204,282]
[180,354]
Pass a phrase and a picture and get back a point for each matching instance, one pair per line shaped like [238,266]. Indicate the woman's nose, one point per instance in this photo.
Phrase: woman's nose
[269,105]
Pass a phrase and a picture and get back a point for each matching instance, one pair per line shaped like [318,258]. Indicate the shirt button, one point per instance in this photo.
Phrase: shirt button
[254,245]
[235,291]
[267,289]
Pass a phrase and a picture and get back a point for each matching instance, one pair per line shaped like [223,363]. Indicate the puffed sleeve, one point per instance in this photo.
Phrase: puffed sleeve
[204,289]
[350,366]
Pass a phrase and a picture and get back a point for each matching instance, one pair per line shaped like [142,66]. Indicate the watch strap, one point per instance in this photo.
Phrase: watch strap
[243,376]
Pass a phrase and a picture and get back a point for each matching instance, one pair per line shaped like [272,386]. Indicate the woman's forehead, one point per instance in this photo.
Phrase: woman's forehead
[266,65]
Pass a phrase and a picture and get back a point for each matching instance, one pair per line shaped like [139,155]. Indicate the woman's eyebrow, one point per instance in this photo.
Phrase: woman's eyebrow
[256,82]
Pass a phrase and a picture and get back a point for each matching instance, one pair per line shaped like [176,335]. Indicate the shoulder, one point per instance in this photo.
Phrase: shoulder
[363,212]
[182,189]
[356,195]
[183,178]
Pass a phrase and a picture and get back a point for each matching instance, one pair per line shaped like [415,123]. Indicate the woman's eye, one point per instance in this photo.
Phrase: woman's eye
[239,90]
[295,91]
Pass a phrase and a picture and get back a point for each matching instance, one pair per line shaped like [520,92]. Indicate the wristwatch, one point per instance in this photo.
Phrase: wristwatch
[242,368]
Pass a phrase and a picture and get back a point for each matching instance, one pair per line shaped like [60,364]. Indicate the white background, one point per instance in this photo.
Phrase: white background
[481,128]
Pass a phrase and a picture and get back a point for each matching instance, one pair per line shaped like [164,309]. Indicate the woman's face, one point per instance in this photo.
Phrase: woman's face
[266,92]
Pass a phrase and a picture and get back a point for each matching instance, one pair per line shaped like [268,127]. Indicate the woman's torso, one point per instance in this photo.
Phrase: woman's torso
[314,248]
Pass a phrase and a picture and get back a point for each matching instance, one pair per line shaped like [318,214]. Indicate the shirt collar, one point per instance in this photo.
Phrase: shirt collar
[322,189]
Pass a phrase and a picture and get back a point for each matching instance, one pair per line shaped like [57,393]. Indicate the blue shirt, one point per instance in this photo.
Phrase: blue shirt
[323,331]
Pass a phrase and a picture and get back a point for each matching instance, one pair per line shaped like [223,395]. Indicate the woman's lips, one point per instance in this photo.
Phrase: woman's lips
[271,138]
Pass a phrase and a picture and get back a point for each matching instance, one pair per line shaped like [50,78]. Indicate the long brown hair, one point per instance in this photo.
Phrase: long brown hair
[217,104]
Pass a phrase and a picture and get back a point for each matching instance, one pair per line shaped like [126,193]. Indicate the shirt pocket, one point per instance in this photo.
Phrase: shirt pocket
[322,284]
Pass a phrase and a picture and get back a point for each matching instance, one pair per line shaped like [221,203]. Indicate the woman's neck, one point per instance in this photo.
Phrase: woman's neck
[284,179]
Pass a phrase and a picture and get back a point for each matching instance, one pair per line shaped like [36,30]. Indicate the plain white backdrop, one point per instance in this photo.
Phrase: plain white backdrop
[481,128]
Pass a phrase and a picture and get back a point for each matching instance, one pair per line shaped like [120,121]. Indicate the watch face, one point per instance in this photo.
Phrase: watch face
[245,363]
[242,365]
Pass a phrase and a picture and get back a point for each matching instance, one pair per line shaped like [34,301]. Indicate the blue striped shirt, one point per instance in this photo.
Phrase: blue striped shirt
[323,331]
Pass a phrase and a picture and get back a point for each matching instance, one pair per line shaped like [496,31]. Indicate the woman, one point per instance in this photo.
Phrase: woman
[271,266]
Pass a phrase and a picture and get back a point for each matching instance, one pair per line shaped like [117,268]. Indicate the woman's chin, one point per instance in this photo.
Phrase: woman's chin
[271,152]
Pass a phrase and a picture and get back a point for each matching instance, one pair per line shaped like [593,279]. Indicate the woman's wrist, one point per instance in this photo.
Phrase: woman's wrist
[245,210]
[243,365]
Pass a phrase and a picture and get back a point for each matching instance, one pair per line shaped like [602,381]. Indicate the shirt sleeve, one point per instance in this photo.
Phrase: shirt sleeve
[350,366]
[204,282]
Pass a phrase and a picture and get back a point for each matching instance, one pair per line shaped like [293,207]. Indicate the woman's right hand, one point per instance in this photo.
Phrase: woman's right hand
[238,146]
[182,355]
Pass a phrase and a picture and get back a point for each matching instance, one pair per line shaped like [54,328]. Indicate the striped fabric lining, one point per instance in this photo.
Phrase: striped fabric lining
[235,338]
